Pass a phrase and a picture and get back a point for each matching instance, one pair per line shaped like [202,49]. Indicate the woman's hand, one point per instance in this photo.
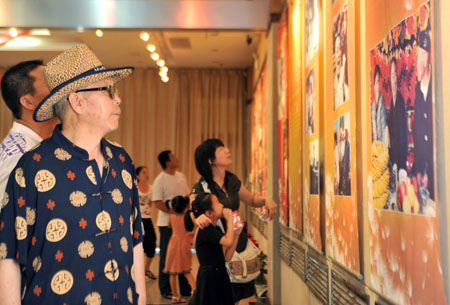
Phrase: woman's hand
[202,221]
[270,206]
[228,215]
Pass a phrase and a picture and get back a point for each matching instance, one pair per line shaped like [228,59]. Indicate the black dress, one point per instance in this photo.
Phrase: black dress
[213,283]
[230,200]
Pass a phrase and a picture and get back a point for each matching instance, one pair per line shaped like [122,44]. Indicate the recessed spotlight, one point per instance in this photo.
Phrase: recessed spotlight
[165,79]
[151,47]
[144,36]
[163,73]
[161,62]
[13,32]
[154,56]
[99,33]
[164,69]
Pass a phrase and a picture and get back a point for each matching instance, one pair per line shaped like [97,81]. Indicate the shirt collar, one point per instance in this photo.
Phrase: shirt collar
[77,151]
[20,128]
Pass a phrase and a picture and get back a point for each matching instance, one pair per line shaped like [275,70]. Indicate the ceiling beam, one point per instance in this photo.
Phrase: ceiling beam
[137,14]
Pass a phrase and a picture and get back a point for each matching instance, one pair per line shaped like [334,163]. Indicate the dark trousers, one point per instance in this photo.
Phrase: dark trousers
[164,278]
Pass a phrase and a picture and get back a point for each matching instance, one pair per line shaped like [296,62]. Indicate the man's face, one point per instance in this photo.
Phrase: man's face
[40,92]
[422,63]
[40,86]
[173,161]
[102,112]
[393,78]
[377,86]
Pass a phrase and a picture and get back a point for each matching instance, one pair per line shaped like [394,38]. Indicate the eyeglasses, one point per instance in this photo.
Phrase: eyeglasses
[111,90]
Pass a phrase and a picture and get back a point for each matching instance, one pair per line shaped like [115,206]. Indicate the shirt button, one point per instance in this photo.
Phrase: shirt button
[425,137]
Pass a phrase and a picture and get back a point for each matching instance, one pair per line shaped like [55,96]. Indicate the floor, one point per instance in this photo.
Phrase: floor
[155,298]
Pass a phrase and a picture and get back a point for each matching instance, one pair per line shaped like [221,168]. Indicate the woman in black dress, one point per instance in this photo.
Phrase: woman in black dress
[212,160]
[212,247]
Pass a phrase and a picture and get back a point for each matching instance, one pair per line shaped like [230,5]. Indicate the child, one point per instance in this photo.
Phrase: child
[179,256]
[213,249]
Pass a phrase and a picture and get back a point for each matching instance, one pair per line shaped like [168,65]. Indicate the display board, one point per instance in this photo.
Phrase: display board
[405,262]
[341,214]
[259,142]
[282,117]
[295,116]
[311,131]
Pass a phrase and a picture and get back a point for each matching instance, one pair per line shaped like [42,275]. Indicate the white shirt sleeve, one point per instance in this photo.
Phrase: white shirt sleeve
[6,170]
[157,190]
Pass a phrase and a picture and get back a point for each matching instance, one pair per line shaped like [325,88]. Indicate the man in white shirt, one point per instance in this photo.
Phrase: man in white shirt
[167,185]
[23,87]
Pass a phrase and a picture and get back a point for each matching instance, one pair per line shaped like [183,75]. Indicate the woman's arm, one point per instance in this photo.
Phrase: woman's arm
[227,239]
[258,201]
[229,251]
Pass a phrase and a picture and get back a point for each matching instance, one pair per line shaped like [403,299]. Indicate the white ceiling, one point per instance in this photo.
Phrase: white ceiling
[208,48]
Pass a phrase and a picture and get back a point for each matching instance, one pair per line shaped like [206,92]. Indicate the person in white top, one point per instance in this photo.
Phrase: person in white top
[145,204]
[167,185]
[23,87]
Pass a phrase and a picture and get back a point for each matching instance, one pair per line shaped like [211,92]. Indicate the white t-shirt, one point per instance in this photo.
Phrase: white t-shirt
[167,187]
[19,140]
[144,198]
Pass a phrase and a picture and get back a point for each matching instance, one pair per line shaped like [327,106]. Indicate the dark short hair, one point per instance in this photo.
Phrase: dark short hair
[202,204]
[180,203]
[17,82]
[377,71]
[164,157]
[205,153]
[394,61]
[139,170]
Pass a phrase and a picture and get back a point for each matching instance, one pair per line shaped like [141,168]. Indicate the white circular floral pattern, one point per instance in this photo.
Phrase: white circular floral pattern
[91,175]
[94,298]
[44,180]
[86,249]
[62,282]
[31,216]
[78,198]
[103,221]
[112,270]
[62,155]
[124,244]
[3,251]
[20,179]
[21,228]
[117,196]
[37,263]
[126,177]
[56,230]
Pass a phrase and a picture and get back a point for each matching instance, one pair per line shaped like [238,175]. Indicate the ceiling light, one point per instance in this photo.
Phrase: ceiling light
[164,69]
[13,32]
[99,33]
[23,42]
[163,73]
[144,36]
[151,47]
[165,79]
[40,32]
[154,56]
[161,62]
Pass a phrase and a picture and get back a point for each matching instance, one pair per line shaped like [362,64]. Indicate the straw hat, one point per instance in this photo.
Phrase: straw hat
[73,69]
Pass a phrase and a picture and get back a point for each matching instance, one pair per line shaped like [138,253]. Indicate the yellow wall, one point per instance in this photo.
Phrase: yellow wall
[293,289]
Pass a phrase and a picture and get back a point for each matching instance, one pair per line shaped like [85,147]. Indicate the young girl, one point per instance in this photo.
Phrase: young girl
[145,204]
[179,256]
[213,249]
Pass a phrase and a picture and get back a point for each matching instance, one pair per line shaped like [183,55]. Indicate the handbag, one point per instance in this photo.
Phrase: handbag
[244,266]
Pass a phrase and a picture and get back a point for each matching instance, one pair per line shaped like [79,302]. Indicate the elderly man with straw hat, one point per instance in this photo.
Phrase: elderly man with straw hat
[70,229]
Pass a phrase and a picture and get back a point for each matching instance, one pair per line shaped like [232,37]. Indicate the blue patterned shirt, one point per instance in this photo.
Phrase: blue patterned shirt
[71,229]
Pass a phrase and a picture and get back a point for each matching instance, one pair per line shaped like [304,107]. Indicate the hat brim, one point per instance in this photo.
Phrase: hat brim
[44,111]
